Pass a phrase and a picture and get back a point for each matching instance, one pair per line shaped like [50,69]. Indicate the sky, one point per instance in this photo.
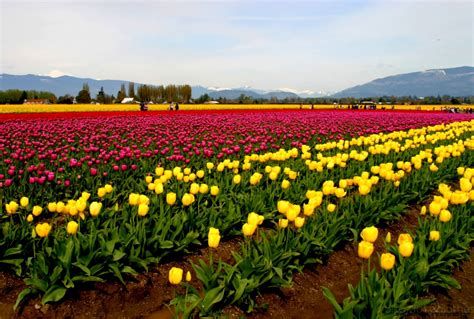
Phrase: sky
[303,45]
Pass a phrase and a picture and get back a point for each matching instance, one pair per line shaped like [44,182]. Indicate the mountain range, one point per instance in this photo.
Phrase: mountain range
[450,81]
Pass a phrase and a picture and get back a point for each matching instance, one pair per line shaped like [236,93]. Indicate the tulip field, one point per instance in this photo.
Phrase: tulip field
[216,212]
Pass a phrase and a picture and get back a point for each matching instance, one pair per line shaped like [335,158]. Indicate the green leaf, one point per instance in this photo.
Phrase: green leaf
[212,297]
[54,293]
[23,294]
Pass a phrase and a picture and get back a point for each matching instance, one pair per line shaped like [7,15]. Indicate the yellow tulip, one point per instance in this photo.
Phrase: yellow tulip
[213,237]
[175,276]
[52,207]
[214,190]
[237,178]
[331,208]
[194,189]
[72,227]
[101,192]
[311,193]
[253,218]
[406,248]
[365,249]
[364,189]
[85,196]
[143,210]
[370,234]
[43,229]
[387,261]
[171,198]
[133,199]
[29,219]
[200,173]
[299,222]
[308,209]
[143,199]
[24,201]
[283,223]
[108,188]
[285,184]
[445,216]
[159,188]
[60,207]
[340,192]
[283,206]
[248,229]
[37,210]
[187,199]
[434,235]
[210,166]
[148,179]
[460,170]
[95,208]
[188,276]
[433,168]
[434,208]
[403,238]
[465,184]
[293,212]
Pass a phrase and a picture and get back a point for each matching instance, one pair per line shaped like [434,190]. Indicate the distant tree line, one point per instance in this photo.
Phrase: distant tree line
[182,94]
[411,100]
[19,96]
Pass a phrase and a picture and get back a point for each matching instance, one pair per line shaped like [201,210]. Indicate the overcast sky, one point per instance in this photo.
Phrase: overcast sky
[303,45]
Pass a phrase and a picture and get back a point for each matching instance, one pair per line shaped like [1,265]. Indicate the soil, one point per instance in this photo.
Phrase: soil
[146,295]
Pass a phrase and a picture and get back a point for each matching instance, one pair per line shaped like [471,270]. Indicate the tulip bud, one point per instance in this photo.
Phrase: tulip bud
[29,219]
[387,261]
[175,276]
[423,210]
[331,208]
[188,276]
[388,238]
[72,227]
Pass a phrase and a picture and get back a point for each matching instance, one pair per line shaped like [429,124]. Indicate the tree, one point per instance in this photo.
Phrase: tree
[23,97]
[66,99]
[85,87]
[101,95]
[83,97]
[131,89]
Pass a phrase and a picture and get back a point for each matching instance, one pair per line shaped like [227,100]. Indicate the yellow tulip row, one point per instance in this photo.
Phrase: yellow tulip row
[40,108]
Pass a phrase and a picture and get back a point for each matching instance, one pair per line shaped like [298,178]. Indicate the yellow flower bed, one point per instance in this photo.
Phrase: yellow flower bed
[40,108]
